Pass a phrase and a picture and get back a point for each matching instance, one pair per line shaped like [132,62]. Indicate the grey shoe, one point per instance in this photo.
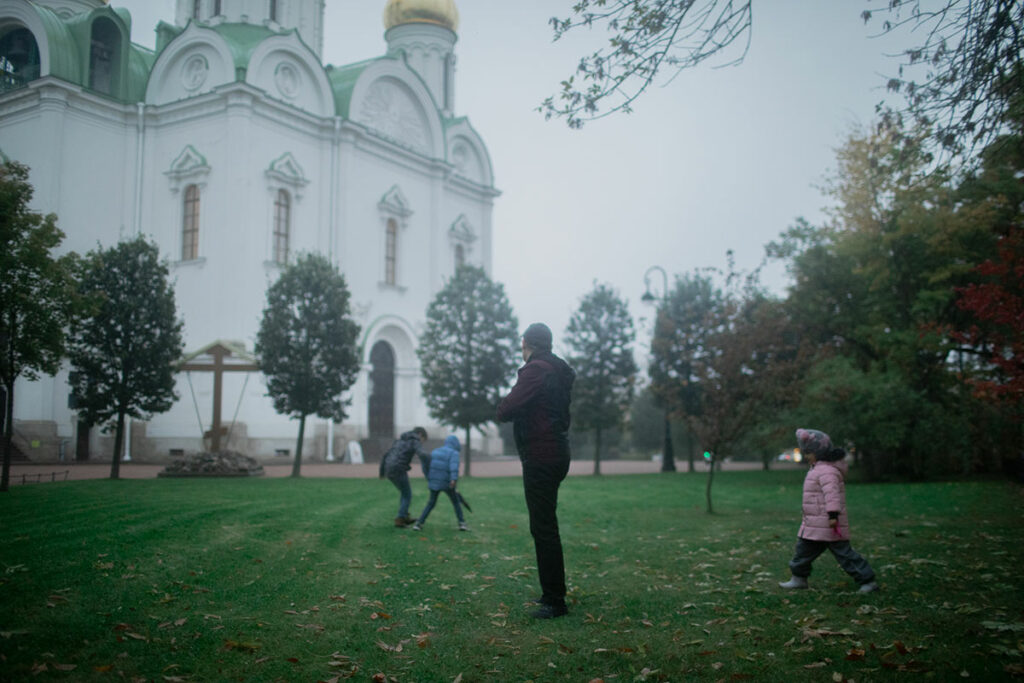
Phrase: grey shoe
[417,527]
[794,582]
[869,587]
[463,527]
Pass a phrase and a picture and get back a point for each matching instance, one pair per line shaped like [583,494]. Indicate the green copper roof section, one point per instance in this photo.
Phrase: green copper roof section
[140,64]
[343,82]
[242,40]
[64,62]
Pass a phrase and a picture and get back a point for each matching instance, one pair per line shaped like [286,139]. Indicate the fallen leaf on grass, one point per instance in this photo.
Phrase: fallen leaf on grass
[380,615]
[855,654]
[241,646]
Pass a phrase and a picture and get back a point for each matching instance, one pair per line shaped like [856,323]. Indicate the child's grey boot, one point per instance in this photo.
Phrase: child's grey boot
[794,582]
[869,587]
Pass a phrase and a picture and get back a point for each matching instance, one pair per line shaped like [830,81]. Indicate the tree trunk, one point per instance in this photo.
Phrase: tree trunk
[597,451]
[689,450]
[5,478]
[668,456]
[297,465]
[711,476]
[115,462]
[468,433]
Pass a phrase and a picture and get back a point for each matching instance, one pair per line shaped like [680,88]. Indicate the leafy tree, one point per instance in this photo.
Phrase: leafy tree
[37,294]
[970,52]
[468,351]
[874,291]
[307,344]
[600,335]
[123,353]
[719,357]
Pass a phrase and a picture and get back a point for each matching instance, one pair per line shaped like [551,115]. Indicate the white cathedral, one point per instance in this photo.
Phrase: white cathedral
[234,148]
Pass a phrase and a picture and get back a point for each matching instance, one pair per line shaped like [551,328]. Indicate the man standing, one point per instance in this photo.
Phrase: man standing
[395,465]
[538,407]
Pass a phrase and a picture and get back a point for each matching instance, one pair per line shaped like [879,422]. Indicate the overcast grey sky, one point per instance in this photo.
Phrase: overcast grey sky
[718,159]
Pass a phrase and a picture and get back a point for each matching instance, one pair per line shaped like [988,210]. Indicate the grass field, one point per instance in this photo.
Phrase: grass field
[306,580]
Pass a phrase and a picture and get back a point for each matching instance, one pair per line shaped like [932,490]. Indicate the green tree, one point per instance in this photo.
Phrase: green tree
[307,344]
[468,351]
[37,294]
[964,56]
[720,357]
[123,353]
[599,336]
[875,291]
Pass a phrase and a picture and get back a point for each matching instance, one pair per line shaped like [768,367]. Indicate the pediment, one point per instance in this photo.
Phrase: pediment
[394,202]
[286,169]
[462,230]
[189,162]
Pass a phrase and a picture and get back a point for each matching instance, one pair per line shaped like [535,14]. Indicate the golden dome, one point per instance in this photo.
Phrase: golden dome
[439,12]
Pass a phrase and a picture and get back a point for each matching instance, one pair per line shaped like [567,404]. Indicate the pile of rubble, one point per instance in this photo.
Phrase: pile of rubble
[222,464]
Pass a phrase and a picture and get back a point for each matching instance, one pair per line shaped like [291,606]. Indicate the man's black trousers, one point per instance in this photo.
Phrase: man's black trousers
[540,483]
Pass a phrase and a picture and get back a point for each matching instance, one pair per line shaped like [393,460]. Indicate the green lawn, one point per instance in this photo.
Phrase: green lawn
[274,579]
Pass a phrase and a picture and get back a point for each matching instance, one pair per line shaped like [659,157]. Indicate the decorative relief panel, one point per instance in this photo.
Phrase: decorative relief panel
[194,72]
[288,79]
[389,109]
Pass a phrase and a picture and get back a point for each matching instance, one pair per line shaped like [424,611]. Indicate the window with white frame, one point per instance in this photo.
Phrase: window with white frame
[391,252]
[282,226]
[190,224]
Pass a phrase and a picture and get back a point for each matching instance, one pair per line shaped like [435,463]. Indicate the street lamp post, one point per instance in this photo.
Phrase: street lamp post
[668,458]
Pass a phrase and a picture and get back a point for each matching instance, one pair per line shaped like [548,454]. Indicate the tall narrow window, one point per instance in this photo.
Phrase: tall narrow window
[105,43]
[196,8]
[216,8]
[273,10]
[282,225]
[460,256]
[391,252]
[190,225]
[19,59]
[382,391]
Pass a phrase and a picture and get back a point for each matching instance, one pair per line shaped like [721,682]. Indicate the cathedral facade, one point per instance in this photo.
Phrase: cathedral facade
[234,147]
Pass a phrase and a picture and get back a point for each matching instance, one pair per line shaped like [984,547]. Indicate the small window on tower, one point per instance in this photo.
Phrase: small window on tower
[197,6]
[460,256]
[273,10]
[216,8]
[190,225]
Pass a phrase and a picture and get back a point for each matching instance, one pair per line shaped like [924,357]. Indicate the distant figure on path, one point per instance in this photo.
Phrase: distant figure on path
[395,465]
[538,407]
[442,472]
[825,526]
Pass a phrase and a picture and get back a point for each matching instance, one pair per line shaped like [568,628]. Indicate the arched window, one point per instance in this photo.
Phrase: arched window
[273,10]
[282,225]
[197,7]
[391,252]
[104,53]
[460,256]
[216,8]
[190,225]
[382,391]
[19,59]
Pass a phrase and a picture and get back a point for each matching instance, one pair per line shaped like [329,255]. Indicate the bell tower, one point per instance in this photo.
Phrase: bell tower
[305,16]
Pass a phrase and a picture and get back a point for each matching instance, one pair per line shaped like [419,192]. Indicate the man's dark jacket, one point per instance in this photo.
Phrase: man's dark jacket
[398,458]
[538,407]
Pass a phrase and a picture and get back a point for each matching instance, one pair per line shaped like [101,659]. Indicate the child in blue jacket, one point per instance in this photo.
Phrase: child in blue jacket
[442,475]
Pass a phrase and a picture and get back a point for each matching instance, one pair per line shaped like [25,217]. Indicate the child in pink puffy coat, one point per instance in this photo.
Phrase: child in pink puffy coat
[825,526]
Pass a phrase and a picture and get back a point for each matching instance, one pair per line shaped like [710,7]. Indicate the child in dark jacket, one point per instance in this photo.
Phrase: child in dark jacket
[824,525]
[442,475]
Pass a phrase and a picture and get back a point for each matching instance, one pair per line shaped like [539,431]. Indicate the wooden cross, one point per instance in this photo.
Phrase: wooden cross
[219,352]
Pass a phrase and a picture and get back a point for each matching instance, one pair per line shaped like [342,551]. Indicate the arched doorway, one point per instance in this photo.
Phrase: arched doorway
[382,391]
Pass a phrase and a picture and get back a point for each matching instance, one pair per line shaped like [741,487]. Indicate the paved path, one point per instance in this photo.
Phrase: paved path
[505,467]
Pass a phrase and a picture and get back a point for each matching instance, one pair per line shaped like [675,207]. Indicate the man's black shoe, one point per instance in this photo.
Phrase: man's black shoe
[549,612]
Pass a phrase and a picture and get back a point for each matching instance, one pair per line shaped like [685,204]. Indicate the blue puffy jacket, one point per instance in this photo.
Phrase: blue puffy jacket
[444,464]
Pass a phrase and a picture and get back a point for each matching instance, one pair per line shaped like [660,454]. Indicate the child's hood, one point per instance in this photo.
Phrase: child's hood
[452,442]
[840,465]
